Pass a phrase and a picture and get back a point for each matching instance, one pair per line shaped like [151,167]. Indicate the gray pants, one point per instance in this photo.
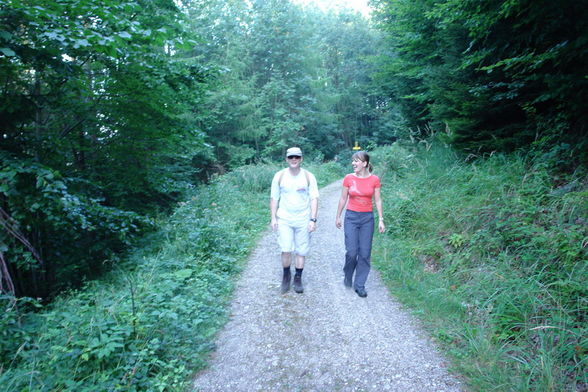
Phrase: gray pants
[359,231]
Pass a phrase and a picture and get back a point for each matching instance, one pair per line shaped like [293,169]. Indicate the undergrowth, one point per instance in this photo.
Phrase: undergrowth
[493,255]
[150,323]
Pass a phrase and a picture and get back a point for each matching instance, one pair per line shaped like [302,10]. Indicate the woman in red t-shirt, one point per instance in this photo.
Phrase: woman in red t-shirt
[360,188]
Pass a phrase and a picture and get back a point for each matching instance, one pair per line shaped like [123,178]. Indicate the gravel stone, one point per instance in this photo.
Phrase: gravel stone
[326,339]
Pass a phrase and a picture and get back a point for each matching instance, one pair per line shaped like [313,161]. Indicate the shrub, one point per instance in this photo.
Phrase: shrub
[498,244]
[149,324]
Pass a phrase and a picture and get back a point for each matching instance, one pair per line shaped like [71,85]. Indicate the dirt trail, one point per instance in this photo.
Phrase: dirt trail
[326,339]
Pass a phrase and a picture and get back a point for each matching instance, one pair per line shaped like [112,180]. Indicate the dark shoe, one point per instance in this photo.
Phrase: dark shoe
[298,284]
[361,292]
[286,281]
[347,282]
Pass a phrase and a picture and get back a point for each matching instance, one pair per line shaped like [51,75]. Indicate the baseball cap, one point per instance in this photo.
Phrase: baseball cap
[296,151]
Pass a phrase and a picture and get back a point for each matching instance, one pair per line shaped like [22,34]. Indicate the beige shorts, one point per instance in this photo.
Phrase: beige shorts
[293,237]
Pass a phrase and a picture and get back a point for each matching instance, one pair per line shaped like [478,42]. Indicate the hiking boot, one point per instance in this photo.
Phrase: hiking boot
[286,281]
[361,292]
[298,284]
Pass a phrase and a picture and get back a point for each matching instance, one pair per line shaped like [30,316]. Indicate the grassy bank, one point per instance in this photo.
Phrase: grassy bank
[492,255]
[150,323]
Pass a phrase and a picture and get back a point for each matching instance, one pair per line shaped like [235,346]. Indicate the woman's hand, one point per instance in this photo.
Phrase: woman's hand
[381,226]
[342,202]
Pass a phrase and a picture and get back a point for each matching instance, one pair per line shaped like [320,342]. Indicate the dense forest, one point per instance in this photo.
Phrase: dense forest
[114,113]
[111,111]
[494,75]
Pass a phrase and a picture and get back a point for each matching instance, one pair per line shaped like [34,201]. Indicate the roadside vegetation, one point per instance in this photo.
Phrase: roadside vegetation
[149,324]
[492,253]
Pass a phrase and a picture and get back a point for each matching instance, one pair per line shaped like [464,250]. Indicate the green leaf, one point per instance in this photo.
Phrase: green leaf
[8,52]
[184,273]
[81,43]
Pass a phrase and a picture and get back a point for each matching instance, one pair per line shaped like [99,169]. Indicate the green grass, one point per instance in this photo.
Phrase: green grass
[492,256]
[150,323]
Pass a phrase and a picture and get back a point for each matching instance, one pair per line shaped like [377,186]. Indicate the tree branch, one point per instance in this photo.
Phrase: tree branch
[5,277]
[10,225]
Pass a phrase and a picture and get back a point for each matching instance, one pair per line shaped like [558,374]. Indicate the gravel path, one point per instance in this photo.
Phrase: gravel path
[326,339]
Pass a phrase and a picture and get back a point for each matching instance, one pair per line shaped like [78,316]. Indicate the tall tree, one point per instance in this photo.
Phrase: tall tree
[287,76]
[500,74]
[91,110]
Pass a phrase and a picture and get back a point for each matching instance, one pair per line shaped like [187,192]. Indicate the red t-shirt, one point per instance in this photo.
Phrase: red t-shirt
[361,192]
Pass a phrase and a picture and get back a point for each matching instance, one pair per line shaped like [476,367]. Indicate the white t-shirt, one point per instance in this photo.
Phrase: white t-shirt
[293,194]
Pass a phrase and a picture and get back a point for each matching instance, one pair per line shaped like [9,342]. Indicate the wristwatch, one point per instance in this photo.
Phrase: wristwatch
[313,220]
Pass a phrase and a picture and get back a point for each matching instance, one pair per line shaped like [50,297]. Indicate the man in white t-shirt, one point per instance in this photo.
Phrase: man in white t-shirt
[294,207]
